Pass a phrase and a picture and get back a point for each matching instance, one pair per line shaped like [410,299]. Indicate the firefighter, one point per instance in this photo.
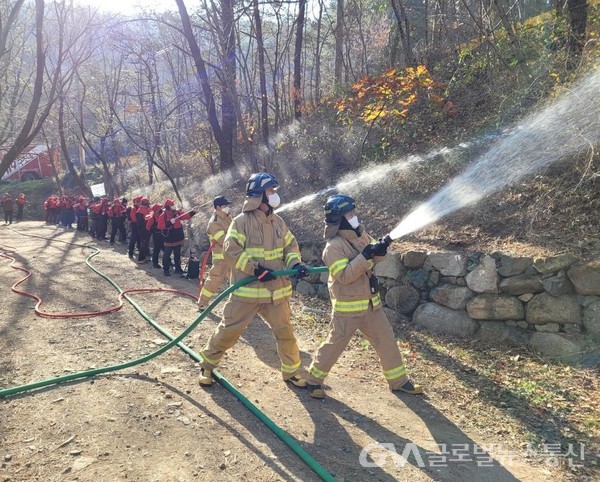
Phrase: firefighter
[81,214]
[169,223]
[7,205]
[350,255]
[257,243]
[67,213]
[157,237]
[134,240]
[116,213]
[143,234]
[93,216]
[47,209]
[54,210]
[20,205]
[217,227]
[101,211]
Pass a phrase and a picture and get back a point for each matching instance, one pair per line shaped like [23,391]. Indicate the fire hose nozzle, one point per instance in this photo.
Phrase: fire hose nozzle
[386,240]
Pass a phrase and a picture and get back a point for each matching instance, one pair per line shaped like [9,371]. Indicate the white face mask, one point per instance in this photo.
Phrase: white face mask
[274,200]
[225,209]
[353,221]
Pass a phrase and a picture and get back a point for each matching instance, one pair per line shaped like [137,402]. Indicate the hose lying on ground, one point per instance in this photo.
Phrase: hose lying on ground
[176,340]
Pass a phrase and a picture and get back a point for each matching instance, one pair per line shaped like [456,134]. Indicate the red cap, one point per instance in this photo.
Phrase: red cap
[137,199]
[145,200]
[169,202]
[156,207]
[116,201]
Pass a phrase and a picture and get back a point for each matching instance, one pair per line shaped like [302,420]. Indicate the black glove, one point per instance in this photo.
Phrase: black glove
[369,251]
[381,248]
[192,213]
[264,274]
[302,270]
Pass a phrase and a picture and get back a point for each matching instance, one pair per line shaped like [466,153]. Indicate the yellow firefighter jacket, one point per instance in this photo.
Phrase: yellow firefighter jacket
[255,238]
[349,271]
[217,227]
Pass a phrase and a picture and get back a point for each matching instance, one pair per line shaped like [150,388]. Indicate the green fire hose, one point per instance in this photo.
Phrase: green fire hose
[177,340]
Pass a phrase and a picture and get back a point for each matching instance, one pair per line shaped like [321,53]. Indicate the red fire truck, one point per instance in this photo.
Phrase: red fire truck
[33,163]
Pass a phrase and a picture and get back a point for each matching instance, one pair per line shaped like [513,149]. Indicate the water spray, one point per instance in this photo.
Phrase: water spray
[372,174]
[568,126]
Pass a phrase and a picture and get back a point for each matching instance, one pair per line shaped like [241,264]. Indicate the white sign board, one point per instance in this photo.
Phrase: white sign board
[98,190]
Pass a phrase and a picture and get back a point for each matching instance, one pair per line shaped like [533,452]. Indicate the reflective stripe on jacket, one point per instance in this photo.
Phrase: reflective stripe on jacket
[217,227]
[349,273]
[254,238]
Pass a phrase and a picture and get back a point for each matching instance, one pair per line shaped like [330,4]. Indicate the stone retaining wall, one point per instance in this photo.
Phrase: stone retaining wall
[551,305]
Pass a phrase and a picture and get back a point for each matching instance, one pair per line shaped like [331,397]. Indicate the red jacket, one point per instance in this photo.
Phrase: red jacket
[132,213]
[116,211]
[152,220]
[164,221]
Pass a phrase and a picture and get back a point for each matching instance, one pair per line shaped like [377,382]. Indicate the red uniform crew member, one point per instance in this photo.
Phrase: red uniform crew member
[156,234]
[20,205]
[169,223]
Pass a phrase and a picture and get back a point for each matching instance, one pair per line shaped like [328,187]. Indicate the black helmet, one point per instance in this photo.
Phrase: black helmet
[221,201]
[336,206]
[259,182]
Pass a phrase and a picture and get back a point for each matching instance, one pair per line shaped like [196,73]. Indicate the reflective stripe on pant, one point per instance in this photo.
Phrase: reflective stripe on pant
[236,317]
[377,330]
[216,275]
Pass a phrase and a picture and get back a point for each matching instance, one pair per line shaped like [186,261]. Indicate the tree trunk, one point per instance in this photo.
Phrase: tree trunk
[404,31]
[23,137]
[339,43]
[204,83]
[65,151]
[264,101]
[577,10]
[318,55]
[228,109]
[297,93]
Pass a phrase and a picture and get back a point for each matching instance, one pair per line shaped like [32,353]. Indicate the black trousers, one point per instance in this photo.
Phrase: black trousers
[158,242]
[20,212]
[144,237]
[117,226]
[8,217]
[82,223]
[176,250]
[102,227]
[133,240]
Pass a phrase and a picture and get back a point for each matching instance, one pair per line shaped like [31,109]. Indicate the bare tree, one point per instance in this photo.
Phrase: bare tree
[297,92]
[225,147]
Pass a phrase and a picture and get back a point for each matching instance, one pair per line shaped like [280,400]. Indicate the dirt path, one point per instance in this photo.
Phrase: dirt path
[154,422]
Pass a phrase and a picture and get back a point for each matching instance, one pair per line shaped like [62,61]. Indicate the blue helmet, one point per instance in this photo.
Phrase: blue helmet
[336,206]
[259,182]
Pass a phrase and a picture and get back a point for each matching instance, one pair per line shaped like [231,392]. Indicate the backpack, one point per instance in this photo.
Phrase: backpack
[193,268]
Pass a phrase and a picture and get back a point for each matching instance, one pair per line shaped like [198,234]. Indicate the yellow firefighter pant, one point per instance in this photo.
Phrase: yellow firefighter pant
[377,330]
[214,280]
[236,317]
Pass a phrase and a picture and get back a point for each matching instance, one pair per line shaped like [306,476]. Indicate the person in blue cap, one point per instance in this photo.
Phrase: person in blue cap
[216,230]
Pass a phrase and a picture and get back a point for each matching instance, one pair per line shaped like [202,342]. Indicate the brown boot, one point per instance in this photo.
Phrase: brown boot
[206,379]
[316,391]
[297,381]
[409,388]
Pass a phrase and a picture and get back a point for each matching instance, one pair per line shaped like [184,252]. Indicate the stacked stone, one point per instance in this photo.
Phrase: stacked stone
[550,304]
